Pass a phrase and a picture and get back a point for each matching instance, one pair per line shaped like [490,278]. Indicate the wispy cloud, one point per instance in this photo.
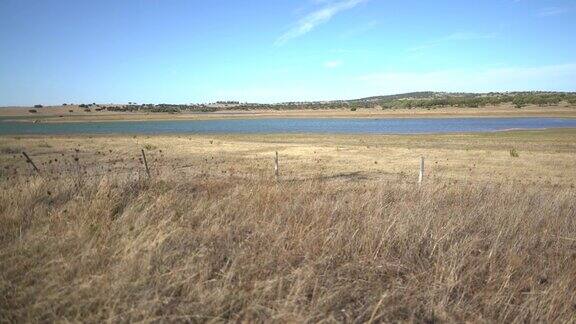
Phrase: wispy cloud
[316,18]
[361,29]
[454,37]
[545,77]
[333,64]
[551,11]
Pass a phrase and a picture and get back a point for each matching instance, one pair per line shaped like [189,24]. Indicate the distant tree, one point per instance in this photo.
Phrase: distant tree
[519,102]
[38,106]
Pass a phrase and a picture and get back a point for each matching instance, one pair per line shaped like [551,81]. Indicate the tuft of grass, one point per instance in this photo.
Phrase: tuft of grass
[149,147]
[10,150]
[514,153]
[225,249]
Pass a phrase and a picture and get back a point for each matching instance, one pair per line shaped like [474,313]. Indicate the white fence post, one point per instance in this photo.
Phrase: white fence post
[421,176]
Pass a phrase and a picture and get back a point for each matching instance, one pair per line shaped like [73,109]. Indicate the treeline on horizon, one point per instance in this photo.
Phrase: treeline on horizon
[519,100]
[415,100]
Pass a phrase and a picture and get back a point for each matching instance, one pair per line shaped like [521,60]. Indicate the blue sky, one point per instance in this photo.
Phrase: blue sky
[183,51]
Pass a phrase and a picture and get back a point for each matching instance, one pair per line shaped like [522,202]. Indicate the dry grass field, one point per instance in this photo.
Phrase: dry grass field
[346,235]
[545,157]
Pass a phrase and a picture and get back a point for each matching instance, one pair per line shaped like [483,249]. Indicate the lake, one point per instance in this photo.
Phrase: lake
[316,126]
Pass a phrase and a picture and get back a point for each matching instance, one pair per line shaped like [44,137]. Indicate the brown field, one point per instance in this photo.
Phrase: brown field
[546,157]
[345,235]
[61,114]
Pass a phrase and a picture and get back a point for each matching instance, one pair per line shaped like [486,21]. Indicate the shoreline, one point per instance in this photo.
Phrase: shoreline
[511,131]
[56,115]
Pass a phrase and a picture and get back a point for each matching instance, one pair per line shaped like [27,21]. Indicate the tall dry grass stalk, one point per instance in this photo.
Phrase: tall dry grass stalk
[216,250]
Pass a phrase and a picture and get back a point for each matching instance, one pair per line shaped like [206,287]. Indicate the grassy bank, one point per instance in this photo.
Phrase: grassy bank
[123,249]
[545,158]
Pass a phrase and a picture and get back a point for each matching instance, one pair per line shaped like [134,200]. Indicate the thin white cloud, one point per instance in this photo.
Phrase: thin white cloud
[361,29]
[333,64]
[548,77]
[464,36]
[454,37]
[316,18]
[551,11]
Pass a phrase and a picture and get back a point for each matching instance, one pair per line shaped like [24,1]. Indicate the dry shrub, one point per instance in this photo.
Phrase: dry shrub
[11,150]
[118,249]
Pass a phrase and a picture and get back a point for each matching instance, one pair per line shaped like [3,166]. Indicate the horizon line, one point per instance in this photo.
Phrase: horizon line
[287,102]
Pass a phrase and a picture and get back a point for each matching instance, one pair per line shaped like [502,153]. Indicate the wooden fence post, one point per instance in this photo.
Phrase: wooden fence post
[29,160]
[421,176]
[276,171]
[145,163]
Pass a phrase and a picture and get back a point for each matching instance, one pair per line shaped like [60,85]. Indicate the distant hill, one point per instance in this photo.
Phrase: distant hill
[409,95]
[433,95]
[410,100]
[430,99]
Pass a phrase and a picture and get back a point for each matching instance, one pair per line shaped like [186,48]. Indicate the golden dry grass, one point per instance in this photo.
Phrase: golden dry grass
[114,249]
[546,157]
[211,237]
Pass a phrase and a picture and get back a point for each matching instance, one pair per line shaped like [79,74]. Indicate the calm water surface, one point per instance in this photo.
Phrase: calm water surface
[318,126]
